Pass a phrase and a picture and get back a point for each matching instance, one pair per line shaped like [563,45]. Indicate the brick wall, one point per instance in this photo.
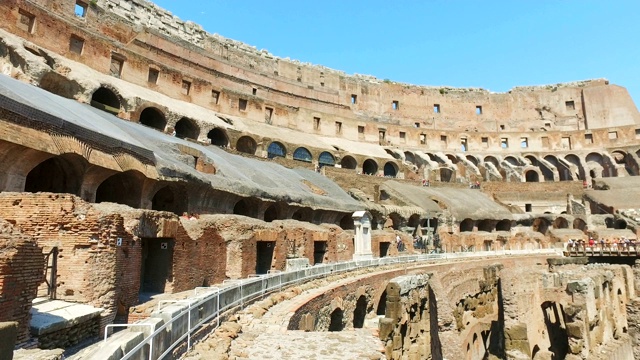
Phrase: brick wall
[21,271]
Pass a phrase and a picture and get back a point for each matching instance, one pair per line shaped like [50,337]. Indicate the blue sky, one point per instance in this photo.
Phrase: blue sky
[495,45]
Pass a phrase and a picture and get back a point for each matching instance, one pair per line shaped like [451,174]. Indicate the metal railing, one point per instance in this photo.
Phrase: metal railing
[208,303]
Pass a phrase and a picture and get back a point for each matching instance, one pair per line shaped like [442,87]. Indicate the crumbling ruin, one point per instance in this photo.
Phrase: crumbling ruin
[141,156]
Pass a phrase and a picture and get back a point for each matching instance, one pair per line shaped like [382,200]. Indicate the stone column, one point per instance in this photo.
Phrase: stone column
[362,225]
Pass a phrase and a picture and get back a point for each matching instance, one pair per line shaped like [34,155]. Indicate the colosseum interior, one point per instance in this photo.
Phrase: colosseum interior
[154,162]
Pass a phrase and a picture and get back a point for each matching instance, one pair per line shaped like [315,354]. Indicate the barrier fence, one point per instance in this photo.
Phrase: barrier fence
[174,322]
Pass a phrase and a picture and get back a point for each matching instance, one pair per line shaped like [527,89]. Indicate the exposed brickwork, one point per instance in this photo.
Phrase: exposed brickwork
[21,271]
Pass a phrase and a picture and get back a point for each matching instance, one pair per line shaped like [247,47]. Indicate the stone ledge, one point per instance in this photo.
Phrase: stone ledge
[55,315]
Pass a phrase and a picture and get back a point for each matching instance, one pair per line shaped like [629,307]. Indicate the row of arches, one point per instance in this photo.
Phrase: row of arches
[71,173]
[487,225]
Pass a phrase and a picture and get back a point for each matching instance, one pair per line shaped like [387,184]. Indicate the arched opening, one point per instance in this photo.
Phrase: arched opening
[247,145]
[594,157]
[382,304]
[187,129]
[276,149]
[242,207]
[56,83]
[304,214]
[467,225]
[271,213]
[452,158]
[511,160]
[503,225]
[170,199]
[348,162]
[106,100]
[493,160]
[414,221]
[369,167]
[396,221]
[619,224]
[326,159]
[59,174]
[122,188]
[302,154]
[446,175]
[219,137]
[472,159]
[409,157]
[360,312]
[580,225]
[390,169]
[336,323]
[541,225]
[560,223]
[346,223]
[153,118]
[485,225]
[531,176]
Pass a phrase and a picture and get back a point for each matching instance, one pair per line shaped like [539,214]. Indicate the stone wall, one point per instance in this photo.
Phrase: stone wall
[21,271]
[70,336]
[409,327]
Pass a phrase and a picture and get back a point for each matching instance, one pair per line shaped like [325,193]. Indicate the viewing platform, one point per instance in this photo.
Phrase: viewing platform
[597,251]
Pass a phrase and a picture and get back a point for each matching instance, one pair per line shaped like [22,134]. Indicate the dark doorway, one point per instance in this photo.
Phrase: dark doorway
[360,312]
[382,304]
[319,249]
[106,100]
[187,129]
[531,176]
[218,137]
[369,167]
[157,264]
[122,188]
[264,256]
[246,145]
[170,199]
[336,320]
[384,249]
[152,117]
[61,174]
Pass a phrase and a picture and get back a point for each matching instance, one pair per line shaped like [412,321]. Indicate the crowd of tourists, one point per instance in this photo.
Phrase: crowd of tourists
[616,244]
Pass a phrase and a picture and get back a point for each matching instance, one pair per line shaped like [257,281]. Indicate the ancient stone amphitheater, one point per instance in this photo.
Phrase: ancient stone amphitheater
[168,193]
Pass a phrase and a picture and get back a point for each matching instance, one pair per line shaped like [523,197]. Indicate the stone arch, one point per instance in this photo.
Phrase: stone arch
[348,162]
[454,159]
[580,224]
[575,160]
[243,207]
[326,159]
[512,160]
[390,169]
[302,154]
[107,100]
[276,149]
[446,175]
[414,220]
[187,129]
[247,145]
[560,223]
[360,312]
[369,167]
[531,176]
[467,225]
[346,222]
[153,118]
[541,225]
[396,220]
[594,157]
[493,160]
[219,137]
[58,174]
[564,172]
[410,157]
[473,160]
[56,83]
[382,303]
[271,213]
[303,214]
[122,188]
[503,225]
[171,198]
[336,320]
[485,225]
[619,224]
